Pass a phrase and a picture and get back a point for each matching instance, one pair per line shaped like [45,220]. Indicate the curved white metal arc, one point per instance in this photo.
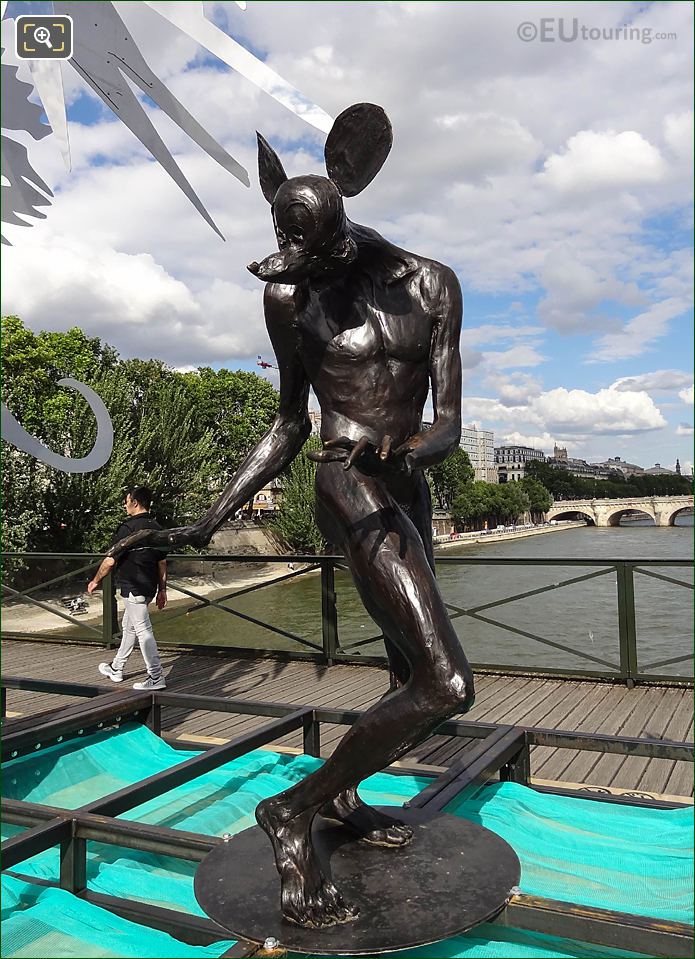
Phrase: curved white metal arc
[14,433]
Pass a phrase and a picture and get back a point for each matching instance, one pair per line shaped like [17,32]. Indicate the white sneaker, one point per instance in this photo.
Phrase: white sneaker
[115,675]
[149,683]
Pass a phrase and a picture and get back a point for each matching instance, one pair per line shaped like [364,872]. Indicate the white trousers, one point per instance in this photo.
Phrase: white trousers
[136,625]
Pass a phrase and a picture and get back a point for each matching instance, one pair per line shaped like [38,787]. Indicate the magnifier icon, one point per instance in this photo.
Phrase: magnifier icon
[43,35]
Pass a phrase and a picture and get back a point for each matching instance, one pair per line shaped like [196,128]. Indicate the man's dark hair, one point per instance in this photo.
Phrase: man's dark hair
[142,494]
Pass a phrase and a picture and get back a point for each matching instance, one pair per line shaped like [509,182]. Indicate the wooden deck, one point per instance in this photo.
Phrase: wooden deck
[646,711]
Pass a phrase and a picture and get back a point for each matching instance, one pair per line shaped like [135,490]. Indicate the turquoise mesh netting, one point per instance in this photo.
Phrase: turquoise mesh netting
[628,859]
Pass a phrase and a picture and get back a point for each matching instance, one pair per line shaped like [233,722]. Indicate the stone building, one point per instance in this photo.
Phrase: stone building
[511,461]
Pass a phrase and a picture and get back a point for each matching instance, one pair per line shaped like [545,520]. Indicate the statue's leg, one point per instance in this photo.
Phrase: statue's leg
[395,580]
[370,824]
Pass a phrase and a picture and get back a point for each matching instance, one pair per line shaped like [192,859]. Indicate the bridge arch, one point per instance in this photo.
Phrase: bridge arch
[572,514]
[613,518]
[671,517]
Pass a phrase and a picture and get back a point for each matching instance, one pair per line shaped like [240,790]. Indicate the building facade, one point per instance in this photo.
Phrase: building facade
[480,446]
[511,461]
[577,467]
[616,463]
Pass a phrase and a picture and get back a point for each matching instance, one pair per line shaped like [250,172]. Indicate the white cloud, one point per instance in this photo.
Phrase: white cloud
[488,333]
[514,389]
[595,161]
[131,302]
[657,381]
[678,133]
[515,356]
[688,395]
[494,144]
[638,333]
[570,415]
[542,441]
[684,429]
[606,411]
[576,287]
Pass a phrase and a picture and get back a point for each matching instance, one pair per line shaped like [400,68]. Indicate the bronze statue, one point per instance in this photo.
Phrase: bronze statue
[370,327]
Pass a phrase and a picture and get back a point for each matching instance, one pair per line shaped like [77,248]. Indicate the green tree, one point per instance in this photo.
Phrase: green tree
[449,478]
[510,502]
[295,522]
[181,434]
[237,407]
[473,505]
[540,499]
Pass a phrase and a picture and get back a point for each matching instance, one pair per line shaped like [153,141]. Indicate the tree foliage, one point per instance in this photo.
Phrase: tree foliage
[449,478]
[490,503]
[539,498]
[179,433]
[563,485]
[295,522]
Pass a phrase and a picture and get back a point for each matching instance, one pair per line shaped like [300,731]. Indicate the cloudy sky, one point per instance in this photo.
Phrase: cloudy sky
[554,176]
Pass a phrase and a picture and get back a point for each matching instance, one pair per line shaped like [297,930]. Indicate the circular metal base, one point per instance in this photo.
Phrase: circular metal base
[452,876]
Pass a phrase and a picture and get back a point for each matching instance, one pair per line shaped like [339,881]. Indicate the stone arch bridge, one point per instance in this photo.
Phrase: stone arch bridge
[608,512]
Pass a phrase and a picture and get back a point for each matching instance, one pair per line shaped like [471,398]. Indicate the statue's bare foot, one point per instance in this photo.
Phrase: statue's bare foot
[307,897]
[366,822]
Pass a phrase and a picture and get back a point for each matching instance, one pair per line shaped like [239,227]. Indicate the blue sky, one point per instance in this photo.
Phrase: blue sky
[554,178]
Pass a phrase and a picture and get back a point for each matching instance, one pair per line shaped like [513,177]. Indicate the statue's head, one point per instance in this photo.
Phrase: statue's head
[310,224]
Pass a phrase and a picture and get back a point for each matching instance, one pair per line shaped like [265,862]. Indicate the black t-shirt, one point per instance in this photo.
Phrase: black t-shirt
[136,570]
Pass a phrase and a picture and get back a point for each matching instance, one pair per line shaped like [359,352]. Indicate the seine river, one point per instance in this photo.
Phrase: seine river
[582,616]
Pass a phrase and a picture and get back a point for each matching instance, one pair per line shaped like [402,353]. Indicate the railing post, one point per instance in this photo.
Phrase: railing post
[627,627]
[329,612]
[311,735]
[518,769]
[154,717]
[73,863]
[109,620]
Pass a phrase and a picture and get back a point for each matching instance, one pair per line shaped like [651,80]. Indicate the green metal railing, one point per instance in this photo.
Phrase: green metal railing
[625,667]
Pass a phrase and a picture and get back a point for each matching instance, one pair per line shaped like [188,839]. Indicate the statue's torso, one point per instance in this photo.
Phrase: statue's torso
[365,346]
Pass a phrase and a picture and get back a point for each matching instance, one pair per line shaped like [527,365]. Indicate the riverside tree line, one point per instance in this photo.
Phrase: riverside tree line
[184,434]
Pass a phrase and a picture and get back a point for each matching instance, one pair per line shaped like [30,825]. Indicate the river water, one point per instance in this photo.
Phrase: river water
[582,616]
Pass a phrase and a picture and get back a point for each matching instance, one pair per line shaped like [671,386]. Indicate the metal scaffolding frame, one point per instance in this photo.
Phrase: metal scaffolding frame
[499,752]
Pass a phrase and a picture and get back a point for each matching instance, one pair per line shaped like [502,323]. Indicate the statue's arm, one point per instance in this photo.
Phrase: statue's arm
[273,452]
[291,426]
[435,444]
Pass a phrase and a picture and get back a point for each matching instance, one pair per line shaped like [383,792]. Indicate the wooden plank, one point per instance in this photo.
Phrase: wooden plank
[680,780]
[654,775]
[617,710]
[522,700]
[515,697]
[603,769]
[579,710]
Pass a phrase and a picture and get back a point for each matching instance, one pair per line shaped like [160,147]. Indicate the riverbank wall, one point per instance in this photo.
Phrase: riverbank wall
[502,535]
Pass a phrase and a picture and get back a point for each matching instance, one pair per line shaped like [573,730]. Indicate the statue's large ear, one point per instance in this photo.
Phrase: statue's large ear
[357,147]
[270,170]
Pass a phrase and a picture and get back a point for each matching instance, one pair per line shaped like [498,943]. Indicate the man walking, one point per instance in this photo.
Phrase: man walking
[141,573]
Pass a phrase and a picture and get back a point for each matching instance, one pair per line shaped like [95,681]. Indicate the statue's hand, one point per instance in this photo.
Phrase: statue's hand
[193,535]
[347,451]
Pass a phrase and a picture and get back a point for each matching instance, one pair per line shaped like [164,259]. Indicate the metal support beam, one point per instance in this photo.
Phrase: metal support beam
[73,862]
[140,792]
[34,840]
[216,704]
[195,930]
[477,764]
[312,735]
[616,930]
[518,768]
[112,708]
